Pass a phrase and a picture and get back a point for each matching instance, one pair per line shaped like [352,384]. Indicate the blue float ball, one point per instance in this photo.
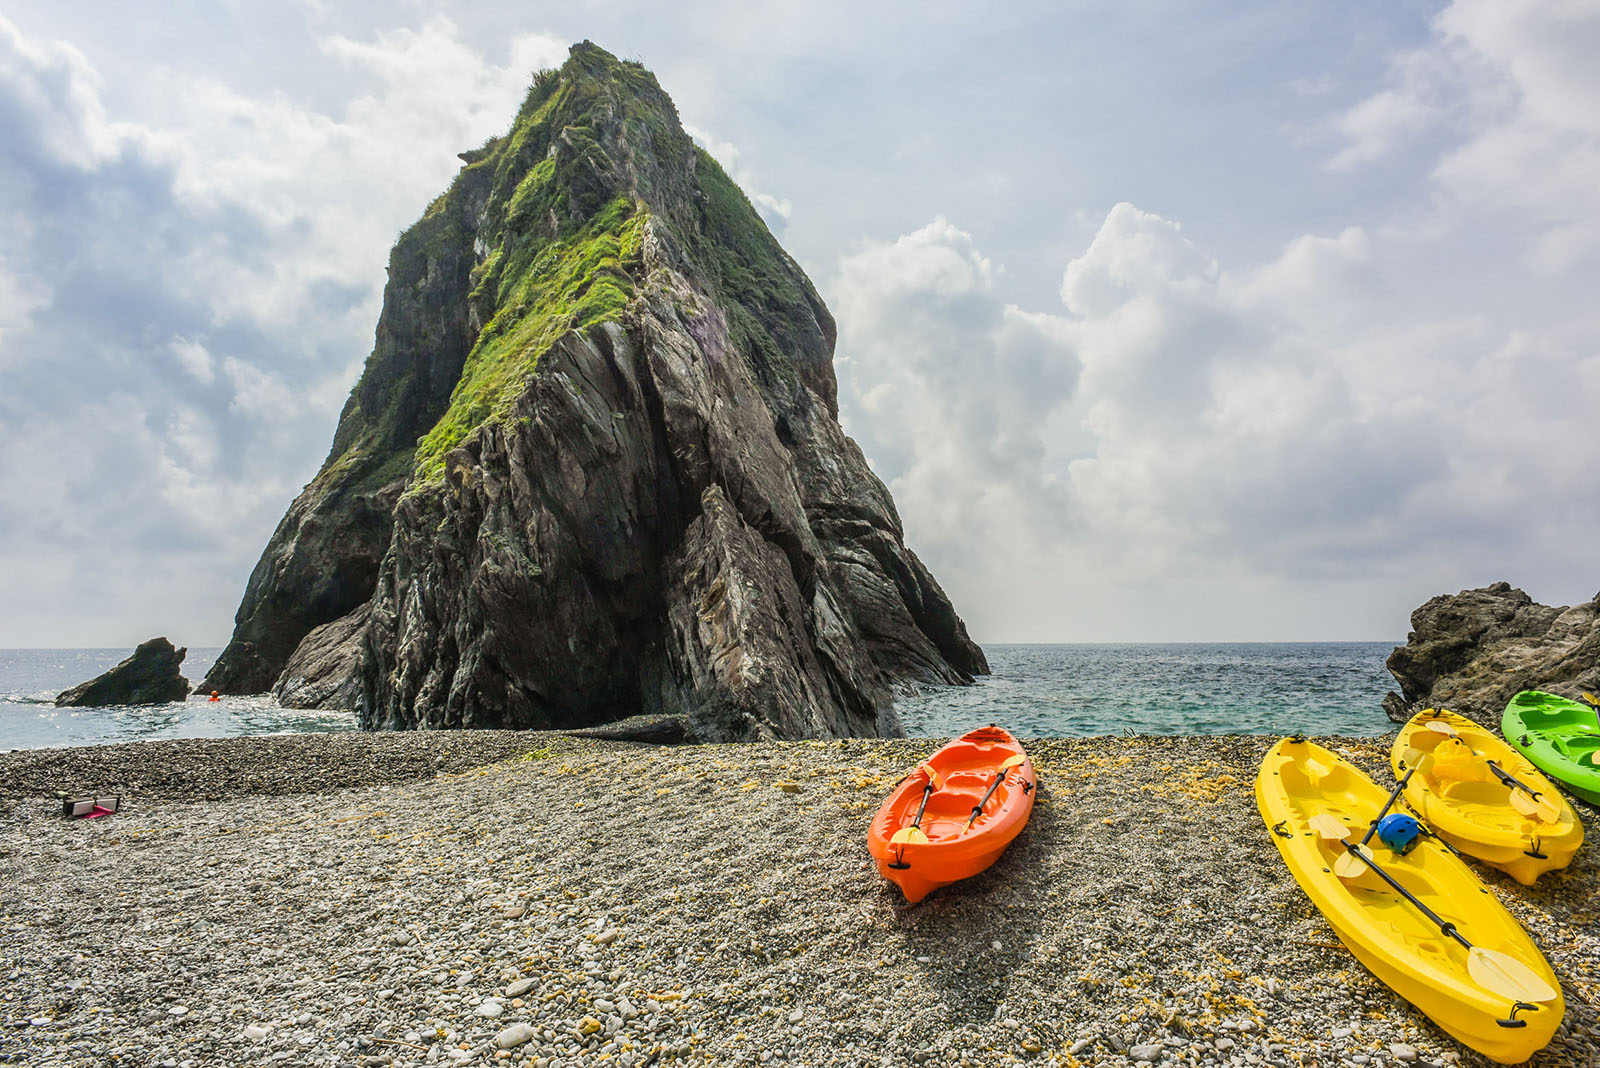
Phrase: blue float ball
[1399,832]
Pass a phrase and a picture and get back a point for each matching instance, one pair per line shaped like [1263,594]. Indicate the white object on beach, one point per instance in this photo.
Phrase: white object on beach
[515,1035]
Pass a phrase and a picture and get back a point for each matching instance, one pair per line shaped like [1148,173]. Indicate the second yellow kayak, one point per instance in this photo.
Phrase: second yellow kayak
[1463,790]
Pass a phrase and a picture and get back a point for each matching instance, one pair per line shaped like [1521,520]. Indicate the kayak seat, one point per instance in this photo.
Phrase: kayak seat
[1583,749]
[1476,791]
[1313,776]
[951,807]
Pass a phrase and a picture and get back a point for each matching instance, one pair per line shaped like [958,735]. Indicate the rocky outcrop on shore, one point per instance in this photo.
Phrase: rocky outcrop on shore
[151,676]
[1472,651]
[594,468]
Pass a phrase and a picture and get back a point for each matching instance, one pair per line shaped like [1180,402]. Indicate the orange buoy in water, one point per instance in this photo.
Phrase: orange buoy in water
[213,696]
[955,814]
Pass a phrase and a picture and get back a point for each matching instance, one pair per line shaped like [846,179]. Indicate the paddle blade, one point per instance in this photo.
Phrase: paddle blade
[1013,761]
[1439,726]
[1349,866]
[1329,826]
[1415,759]
[933,776]
[1591,698]
[909,836]
[1544,808]
[1525,803]
[1503,974]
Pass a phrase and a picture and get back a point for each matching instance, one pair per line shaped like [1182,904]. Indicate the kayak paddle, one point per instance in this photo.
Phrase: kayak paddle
[914,833]
[1497,972]
[1000,777]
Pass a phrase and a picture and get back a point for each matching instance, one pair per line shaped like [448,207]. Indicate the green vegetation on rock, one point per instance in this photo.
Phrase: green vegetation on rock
[761,288]
[564,285]
[546,223]
[563,231]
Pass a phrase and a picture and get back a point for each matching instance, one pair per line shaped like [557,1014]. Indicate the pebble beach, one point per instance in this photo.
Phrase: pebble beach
[531,899]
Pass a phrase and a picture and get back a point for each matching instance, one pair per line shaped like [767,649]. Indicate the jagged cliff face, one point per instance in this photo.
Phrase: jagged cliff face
[594,465]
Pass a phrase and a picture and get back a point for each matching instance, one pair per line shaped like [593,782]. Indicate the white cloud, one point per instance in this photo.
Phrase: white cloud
[195,359]
[1377,124]
[1512,87]
[1546,47]
[1274,430]
[20,296]
[56,90]
[259,394]
[951,393]
[185,300]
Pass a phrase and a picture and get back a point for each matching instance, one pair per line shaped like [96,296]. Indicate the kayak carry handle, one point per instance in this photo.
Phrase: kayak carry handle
[1512,1021]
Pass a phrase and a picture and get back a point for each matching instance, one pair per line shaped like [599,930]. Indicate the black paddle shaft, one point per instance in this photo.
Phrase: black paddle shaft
[927,790]
[1445,926]
[1387,805]
[1509,779]
[977,810]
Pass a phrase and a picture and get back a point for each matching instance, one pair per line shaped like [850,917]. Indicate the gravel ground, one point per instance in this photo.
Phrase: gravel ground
[377,899]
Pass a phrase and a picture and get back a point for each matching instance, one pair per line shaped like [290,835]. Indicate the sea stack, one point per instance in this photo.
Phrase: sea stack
[593,468]
[1472,651]
[150,676]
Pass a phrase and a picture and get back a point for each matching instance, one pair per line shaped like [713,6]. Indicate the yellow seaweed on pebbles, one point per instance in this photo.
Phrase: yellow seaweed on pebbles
[1307,795]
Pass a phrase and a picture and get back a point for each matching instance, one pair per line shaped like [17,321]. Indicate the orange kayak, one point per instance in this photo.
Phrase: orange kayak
[955,813]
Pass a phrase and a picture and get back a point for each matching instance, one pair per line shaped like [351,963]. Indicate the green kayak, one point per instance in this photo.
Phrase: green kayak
[1560,737]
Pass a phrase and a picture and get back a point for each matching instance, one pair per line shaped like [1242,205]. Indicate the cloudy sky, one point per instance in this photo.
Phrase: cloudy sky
[1163,320]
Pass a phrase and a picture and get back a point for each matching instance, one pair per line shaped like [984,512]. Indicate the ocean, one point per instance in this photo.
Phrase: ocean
[29,718]
[1035,691]
[1183,688]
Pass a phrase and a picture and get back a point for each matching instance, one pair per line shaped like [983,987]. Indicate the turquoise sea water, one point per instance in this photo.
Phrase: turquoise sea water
[1187,688]
[1035,691]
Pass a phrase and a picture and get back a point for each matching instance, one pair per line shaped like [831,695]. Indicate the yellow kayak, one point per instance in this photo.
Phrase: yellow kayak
[1462,788]
[1451,949]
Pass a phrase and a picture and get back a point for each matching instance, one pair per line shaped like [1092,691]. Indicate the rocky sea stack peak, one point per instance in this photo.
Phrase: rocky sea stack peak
[593,467]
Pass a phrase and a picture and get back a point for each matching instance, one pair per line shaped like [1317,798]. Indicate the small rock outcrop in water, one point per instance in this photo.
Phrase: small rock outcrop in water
[593,468]
[149,677]
[1472,651]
